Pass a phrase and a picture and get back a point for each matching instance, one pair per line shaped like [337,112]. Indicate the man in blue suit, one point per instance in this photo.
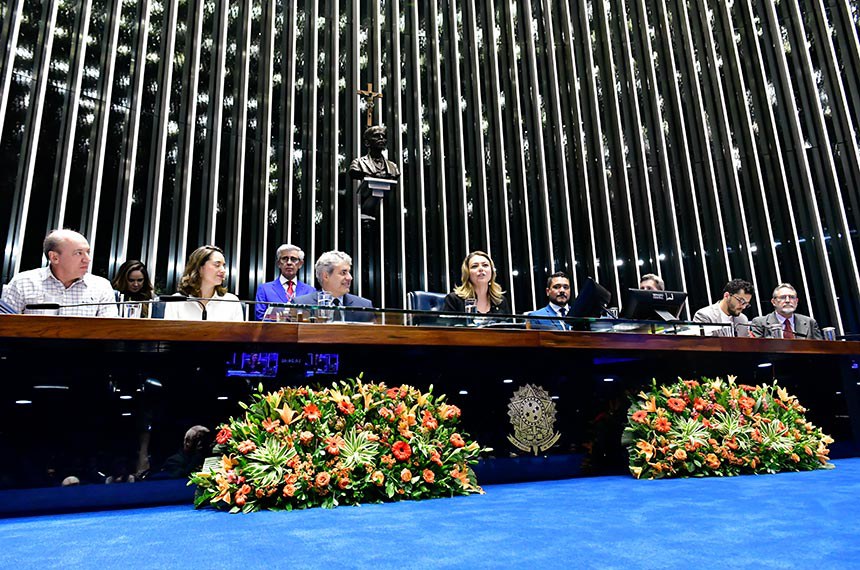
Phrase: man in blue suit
[286,287]
[333,271]
[558,292]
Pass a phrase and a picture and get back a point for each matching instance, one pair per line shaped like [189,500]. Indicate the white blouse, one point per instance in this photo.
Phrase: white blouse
[215,310]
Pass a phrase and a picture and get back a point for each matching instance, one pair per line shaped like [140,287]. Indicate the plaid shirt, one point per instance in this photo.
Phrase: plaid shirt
[40,286]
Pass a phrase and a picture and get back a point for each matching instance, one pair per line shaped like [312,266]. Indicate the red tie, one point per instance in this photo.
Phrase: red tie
[290,289]
[787,331]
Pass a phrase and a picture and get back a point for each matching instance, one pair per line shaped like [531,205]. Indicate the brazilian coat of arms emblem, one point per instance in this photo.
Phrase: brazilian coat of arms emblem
[532,414]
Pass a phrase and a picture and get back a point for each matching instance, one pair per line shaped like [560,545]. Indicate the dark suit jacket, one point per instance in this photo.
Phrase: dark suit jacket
[273,292]
[804,327]
[553,323]
[454,304]
[348,301]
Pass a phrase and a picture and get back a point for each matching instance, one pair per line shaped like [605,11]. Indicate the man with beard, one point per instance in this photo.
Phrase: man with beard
[793,324]
[729,310]
[558,293]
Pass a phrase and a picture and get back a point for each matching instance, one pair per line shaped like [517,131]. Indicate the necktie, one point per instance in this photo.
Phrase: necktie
[335,302]
[291,289]
[787,331]
[562,312]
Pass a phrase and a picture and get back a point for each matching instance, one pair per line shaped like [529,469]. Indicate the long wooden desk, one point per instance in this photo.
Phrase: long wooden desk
[109,397]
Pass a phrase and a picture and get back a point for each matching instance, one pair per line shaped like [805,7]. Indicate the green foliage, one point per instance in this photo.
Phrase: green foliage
[717,427]
[345,444]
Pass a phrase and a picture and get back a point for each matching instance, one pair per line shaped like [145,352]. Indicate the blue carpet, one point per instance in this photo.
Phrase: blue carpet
[791,520]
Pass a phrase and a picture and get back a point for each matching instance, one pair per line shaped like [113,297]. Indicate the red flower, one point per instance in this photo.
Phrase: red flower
[456,440]
[698,404]
[676,404]
[746,402]
[393,392]
[247,446]
[429,421]
[343,483]
[269,425]
[428,476]
[240,500]
[224,435]
[406,475]
[346,407]
[662,425]
[401,450]
[640,416]
[311,412]
[322,479]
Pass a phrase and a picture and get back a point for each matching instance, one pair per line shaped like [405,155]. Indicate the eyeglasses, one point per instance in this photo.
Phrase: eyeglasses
[741,301]
[291,259]
[786,298]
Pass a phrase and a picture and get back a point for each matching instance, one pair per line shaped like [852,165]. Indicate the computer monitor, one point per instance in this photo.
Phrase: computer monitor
[649,305]
[253,365]
[592,300]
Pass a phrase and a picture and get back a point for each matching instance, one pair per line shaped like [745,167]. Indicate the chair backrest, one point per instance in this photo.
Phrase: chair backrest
[425,301]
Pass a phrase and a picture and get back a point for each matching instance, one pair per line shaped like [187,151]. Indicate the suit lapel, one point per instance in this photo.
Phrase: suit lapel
[280,293]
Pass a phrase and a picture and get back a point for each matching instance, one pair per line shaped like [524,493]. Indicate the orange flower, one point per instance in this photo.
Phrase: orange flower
[393,392]
[305,437]
[401,450]
[676,404]
[377,478]
[712,461]
[746,402]
[334,443]
[322,479]
[732,443]
[640,416]
[451,412]
[698,404]
[343,483]
[662,425]
[387,460]
[429,421]
[406,475]
[795,458]
[346,407]
[646,449]
[428,476]
[456,440]
[247,446]
[311,412]
[269,424]
[436,458]
[289,490]
[680,454]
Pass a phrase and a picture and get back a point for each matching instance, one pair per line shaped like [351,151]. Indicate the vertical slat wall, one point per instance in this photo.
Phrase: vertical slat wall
[698,139]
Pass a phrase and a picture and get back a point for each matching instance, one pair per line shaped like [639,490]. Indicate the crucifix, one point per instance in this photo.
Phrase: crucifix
[369,95]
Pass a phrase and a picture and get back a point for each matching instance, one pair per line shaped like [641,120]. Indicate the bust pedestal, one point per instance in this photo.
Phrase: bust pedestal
[372,190]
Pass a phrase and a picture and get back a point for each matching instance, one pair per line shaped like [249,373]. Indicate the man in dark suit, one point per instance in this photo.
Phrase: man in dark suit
[333,271]
[286,287]
[558,293]
[793,324]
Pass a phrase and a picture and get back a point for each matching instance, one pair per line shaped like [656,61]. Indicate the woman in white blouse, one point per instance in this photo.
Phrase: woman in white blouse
[203,278]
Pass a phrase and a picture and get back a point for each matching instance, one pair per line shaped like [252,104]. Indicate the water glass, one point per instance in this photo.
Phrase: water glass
[132,310]
[775,331]
[324,299]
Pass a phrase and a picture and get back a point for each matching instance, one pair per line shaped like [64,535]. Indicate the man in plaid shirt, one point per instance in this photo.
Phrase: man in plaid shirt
[64,281]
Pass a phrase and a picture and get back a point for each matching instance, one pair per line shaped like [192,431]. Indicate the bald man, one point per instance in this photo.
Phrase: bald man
[66,280]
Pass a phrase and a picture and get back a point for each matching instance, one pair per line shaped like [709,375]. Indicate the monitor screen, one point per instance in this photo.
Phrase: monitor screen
[592,300]
[253,365]
[322,363]
[650,305]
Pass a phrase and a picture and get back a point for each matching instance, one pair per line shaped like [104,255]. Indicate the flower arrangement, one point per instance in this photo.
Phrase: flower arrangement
[717,427]
[351,443]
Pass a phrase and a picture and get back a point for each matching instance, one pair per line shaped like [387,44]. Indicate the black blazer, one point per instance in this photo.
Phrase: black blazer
[455,304]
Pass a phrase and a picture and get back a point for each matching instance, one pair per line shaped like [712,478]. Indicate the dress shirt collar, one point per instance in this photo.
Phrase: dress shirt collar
[557,308]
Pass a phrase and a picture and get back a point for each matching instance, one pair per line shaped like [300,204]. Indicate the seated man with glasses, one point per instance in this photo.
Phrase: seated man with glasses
[286,287]
[793,325]
[737,295]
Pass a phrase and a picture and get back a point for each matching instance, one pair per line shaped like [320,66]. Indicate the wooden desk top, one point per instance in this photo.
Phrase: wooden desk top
[47,328]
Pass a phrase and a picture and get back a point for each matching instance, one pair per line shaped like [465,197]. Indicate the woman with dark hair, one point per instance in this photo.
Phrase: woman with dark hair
[478,288]
[203,279]
[133,283]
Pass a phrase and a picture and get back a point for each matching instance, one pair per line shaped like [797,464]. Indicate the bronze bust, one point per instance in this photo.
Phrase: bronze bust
[374,163]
